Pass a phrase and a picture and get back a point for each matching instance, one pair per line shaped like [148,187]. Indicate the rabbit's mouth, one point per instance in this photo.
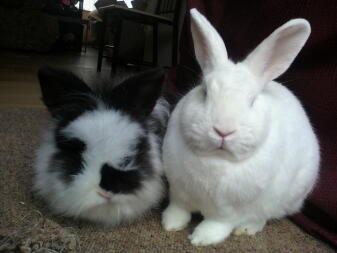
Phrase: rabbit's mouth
[222,147]
[104,194]
[222,144]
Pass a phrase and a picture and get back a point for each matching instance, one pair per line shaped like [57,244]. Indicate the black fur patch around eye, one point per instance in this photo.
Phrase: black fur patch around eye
[68,158]
[125,162]
[118,181]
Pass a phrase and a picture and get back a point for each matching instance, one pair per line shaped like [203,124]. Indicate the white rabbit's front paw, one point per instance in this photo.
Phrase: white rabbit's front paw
[250,228]
[209,232]
[175,218]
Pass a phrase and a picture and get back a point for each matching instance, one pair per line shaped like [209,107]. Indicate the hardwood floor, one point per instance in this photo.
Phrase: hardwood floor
[18,80]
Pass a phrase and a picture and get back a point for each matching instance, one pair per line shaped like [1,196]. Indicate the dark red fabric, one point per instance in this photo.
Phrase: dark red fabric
[312,77]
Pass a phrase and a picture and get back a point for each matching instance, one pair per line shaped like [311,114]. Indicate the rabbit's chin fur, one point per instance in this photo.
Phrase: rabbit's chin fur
[268,161]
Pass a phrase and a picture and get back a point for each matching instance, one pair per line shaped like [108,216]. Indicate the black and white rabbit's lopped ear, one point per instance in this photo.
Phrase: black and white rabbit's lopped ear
[275,54]
[137,95]
[65,95]
[209,47]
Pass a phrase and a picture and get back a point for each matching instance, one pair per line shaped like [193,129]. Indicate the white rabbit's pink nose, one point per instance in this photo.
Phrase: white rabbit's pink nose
[223,134]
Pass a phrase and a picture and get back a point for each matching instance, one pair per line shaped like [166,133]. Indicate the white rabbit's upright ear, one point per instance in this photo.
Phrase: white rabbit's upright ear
[209,47]
[275,54]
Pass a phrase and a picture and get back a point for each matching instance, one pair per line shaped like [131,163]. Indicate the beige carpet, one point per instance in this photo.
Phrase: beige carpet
[26,225]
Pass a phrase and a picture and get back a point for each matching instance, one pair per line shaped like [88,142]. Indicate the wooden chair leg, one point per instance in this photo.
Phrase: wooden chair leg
[174,45]
[85,37]
[155,45]
[101,44]
[118,22]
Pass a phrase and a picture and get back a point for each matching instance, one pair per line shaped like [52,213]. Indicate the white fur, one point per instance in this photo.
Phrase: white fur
[160,113]
[263,170]
[109,136]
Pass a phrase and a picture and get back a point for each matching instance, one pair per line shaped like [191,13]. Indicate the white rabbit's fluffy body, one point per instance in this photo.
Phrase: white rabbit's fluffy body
[239,148]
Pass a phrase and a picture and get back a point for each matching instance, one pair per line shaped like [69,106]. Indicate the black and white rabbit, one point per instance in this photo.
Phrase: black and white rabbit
[101,157]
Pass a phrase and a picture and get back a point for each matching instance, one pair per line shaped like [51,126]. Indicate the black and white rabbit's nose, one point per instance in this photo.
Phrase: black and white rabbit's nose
[222,133]
[119,181]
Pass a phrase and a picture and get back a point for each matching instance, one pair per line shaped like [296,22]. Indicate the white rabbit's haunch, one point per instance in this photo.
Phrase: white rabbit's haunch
[239,147]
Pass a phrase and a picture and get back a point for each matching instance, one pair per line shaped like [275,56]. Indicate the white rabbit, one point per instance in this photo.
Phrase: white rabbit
[239,147]
[101,158]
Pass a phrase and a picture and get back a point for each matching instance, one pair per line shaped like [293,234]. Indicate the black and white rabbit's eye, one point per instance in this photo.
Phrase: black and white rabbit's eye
[69,143]
[125,162]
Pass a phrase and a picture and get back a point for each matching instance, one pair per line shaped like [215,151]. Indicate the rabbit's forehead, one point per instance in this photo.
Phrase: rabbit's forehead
[235,79]
[105,128]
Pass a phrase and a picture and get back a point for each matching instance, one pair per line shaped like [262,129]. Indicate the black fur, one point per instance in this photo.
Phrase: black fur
[137,95]
[118,181]
[125,162]
[68,158]
[65,95]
